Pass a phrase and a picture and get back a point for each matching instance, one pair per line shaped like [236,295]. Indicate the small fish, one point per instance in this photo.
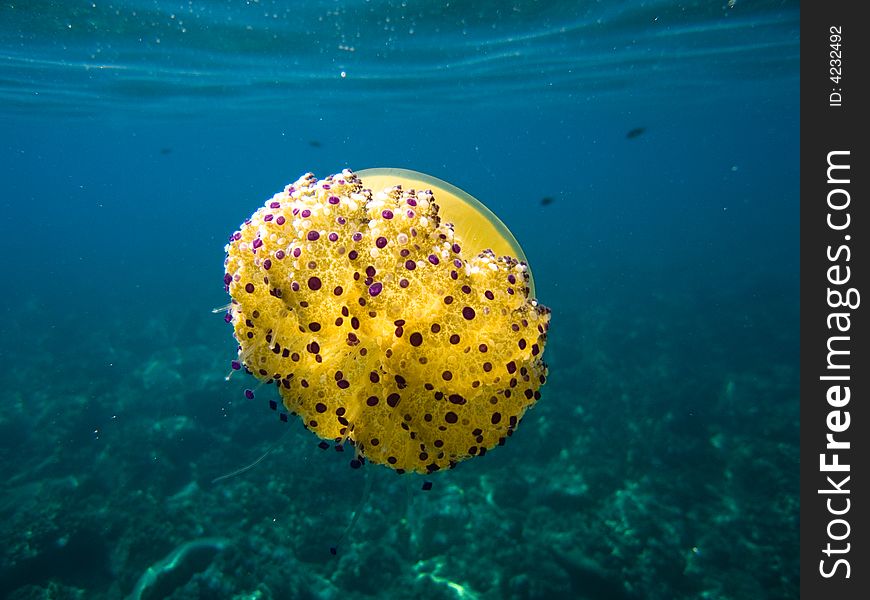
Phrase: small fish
[546,200]
[636,132]
[314,143]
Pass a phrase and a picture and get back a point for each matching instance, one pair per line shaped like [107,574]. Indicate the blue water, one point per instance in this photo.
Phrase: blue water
[661,460]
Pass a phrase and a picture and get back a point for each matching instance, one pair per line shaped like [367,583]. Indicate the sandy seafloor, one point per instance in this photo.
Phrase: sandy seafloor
[662,459]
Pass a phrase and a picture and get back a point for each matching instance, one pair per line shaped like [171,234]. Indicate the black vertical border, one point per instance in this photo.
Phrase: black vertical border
[824,129]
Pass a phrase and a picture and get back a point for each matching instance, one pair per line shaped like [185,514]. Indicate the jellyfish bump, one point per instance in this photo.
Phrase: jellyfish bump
[391,310]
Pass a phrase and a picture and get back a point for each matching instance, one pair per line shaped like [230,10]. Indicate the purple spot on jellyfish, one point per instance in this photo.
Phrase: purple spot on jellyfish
[376,288]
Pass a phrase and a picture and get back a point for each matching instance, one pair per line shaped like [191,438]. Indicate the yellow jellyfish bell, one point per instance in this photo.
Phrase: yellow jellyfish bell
[391,310]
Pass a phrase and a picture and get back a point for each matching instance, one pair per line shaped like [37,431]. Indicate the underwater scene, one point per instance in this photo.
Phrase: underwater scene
[399,299]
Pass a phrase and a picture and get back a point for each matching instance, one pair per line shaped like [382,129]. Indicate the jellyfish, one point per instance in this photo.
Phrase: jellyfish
[393,312]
